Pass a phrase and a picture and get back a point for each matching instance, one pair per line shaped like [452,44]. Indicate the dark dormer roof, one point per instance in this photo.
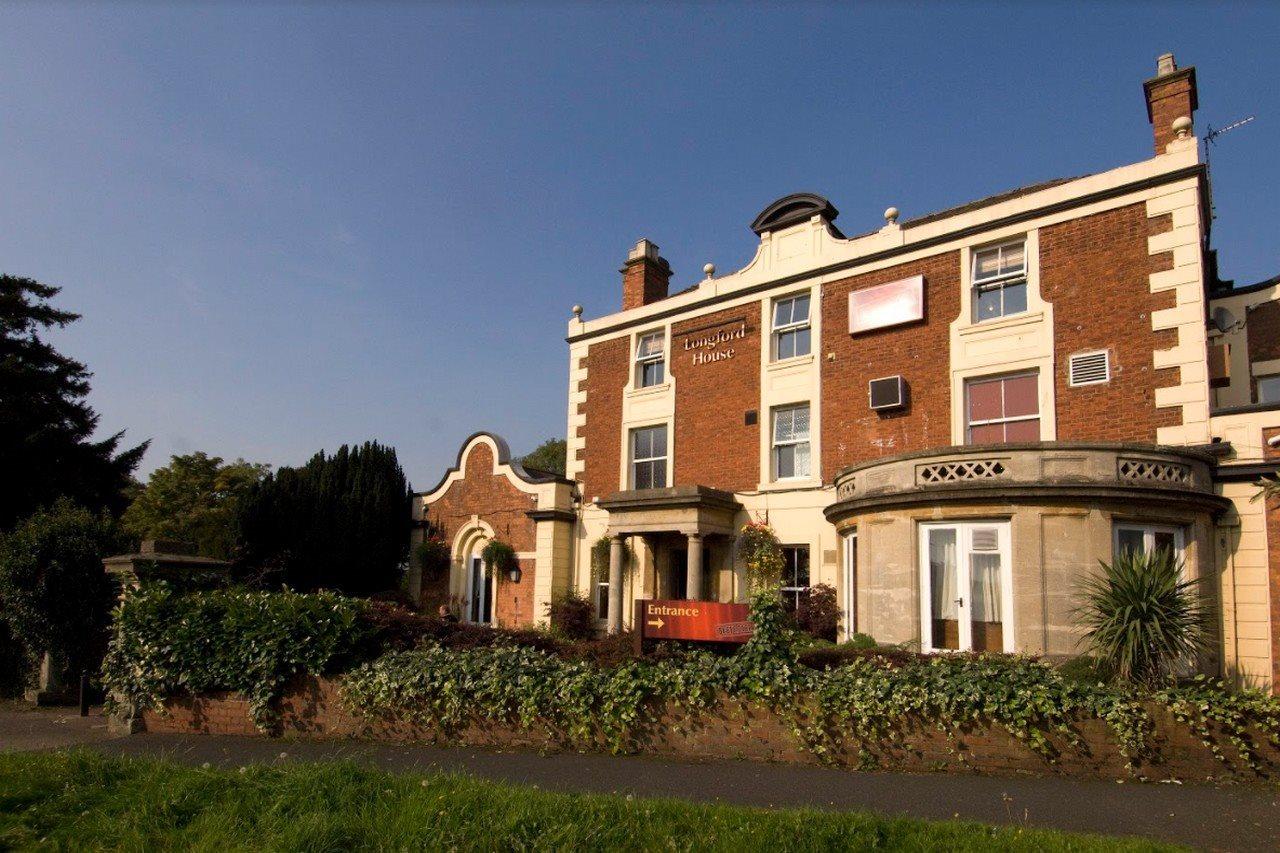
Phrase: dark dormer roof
[793,209]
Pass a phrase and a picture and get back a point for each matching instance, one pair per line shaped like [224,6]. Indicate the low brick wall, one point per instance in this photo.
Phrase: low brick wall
[735,730]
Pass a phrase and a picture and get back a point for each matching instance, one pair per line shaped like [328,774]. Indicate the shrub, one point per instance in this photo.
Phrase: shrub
[818,614]
[249,642]
[55,595]
[432,555]
[573,615]
[1144,620]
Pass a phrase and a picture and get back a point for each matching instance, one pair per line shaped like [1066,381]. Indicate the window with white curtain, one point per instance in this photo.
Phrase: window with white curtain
[965,568]
[791,442]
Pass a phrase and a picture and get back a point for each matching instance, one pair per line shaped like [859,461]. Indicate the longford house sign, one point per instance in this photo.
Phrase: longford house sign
[715,344]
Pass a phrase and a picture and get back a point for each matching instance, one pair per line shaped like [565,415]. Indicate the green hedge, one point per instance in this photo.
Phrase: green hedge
[254,643]
[165,642]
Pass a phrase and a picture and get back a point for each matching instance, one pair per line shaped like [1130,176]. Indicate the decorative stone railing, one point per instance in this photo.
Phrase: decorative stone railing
[1028,470]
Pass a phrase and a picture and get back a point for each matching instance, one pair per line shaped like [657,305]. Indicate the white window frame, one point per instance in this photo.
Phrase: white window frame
[793,327]
[999,280]
[793,592]
[850,597]
[1258,380]
[964,548]
[1149,532]
[643,360]
[479,596]
[664,458]
[974,380]
[602,600]
[775,444]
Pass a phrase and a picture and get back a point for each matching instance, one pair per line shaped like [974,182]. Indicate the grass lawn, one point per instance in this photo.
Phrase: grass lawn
[80,800]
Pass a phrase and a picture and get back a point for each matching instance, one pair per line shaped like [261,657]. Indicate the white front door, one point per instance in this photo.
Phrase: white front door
[966,601]
[479,592]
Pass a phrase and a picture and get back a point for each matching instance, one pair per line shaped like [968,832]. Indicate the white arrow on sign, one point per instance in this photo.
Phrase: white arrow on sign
[655,623]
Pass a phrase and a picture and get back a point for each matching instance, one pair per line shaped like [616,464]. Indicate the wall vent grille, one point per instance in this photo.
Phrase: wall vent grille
[1090,368]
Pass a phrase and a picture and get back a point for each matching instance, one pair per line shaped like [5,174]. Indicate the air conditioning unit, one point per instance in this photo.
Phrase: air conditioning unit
[887,393]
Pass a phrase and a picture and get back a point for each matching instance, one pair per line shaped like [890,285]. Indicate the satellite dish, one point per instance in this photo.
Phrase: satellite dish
[1223,319]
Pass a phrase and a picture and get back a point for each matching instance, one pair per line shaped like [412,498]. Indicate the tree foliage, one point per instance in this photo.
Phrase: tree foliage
[46,427]
[195,498]
[55,595]
[340,522]
[548,457]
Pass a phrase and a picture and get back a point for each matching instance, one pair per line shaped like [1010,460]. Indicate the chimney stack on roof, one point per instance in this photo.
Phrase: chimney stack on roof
[1171,95]
[645,276]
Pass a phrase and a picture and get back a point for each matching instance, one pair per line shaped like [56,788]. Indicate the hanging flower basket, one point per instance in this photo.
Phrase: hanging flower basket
[761,555]
[600,559]
[501,558]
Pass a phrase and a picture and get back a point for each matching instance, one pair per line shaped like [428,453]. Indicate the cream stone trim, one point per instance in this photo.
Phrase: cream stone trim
[1245,589]
[791,382]
[574,442]
[469,540]
[811,245]
[1186,279]
[644,407]
[546,493]
[1013,344]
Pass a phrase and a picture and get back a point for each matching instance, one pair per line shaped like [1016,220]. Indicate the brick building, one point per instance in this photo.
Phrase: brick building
[949,419]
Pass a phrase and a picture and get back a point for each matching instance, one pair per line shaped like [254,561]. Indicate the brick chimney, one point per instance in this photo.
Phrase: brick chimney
[645,276]
[1171,95]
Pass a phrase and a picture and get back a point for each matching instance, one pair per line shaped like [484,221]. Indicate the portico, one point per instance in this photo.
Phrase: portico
[689,516]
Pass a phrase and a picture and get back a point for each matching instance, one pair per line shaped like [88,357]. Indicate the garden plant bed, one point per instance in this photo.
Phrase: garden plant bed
[325,666]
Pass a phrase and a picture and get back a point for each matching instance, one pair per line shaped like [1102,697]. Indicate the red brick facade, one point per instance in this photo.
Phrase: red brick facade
[1094,270]
[489,495]
[714,446]
[851,430]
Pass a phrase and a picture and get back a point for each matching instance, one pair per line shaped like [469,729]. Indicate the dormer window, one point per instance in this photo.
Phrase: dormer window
[791,330]
[651,359]
[1000,281]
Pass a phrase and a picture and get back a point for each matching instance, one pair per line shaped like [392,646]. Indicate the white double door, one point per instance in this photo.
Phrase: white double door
[966,601]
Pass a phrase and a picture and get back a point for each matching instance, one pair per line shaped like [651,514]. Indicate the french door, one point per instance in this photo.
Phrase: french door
[479,592]
[966,601]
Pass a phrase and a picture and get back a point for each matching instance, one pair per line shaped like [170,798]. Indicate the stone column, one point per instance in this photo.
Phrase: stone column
[693,576]
[615,585]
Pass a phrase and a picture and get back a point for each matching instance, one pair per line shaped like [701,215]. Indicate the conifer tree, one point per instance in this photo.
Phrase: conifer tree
[339,522]
[47,449]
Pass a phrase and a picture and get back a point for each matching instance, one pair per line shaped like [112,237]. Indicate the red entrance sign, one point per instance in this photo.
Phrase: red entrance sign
[706,621]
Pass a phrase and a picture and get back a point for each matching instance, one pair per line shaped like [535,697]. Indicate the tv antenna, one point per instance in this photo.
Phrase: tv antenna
[1211,138]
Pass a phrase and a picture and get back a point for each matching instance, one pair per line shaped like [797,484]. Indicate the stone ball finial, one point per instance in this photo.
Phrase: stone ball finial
[1182,126]
[709,269]
[577,311]
[891,215]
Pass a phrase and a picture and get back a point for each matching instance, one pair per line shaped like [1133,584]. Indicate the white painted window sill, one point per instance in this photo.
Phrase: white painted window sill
[1024,319]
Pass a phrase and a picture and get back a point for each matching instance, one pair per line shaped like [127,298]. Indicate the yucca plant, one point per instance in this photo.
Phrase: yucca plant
[1145,620]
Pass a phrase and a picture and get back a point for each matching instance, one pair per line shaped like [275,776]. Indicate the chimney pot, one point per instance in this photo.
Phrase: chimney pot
[1165,64]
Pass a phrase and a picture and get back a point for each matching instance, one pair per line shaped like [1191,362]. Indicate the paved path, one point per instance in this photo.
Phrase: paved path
[1242,817]
[25,727]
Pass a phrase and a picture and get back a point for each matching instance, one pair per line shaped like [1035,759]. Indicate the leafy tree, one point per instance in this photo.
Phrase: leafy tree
[195,498]
[339,522]
[549,457]
[46,426]
[55,595]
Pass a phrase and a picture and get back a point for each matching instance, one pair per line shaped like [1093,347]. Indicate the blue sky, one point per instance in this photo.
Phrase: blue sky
[293,226]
